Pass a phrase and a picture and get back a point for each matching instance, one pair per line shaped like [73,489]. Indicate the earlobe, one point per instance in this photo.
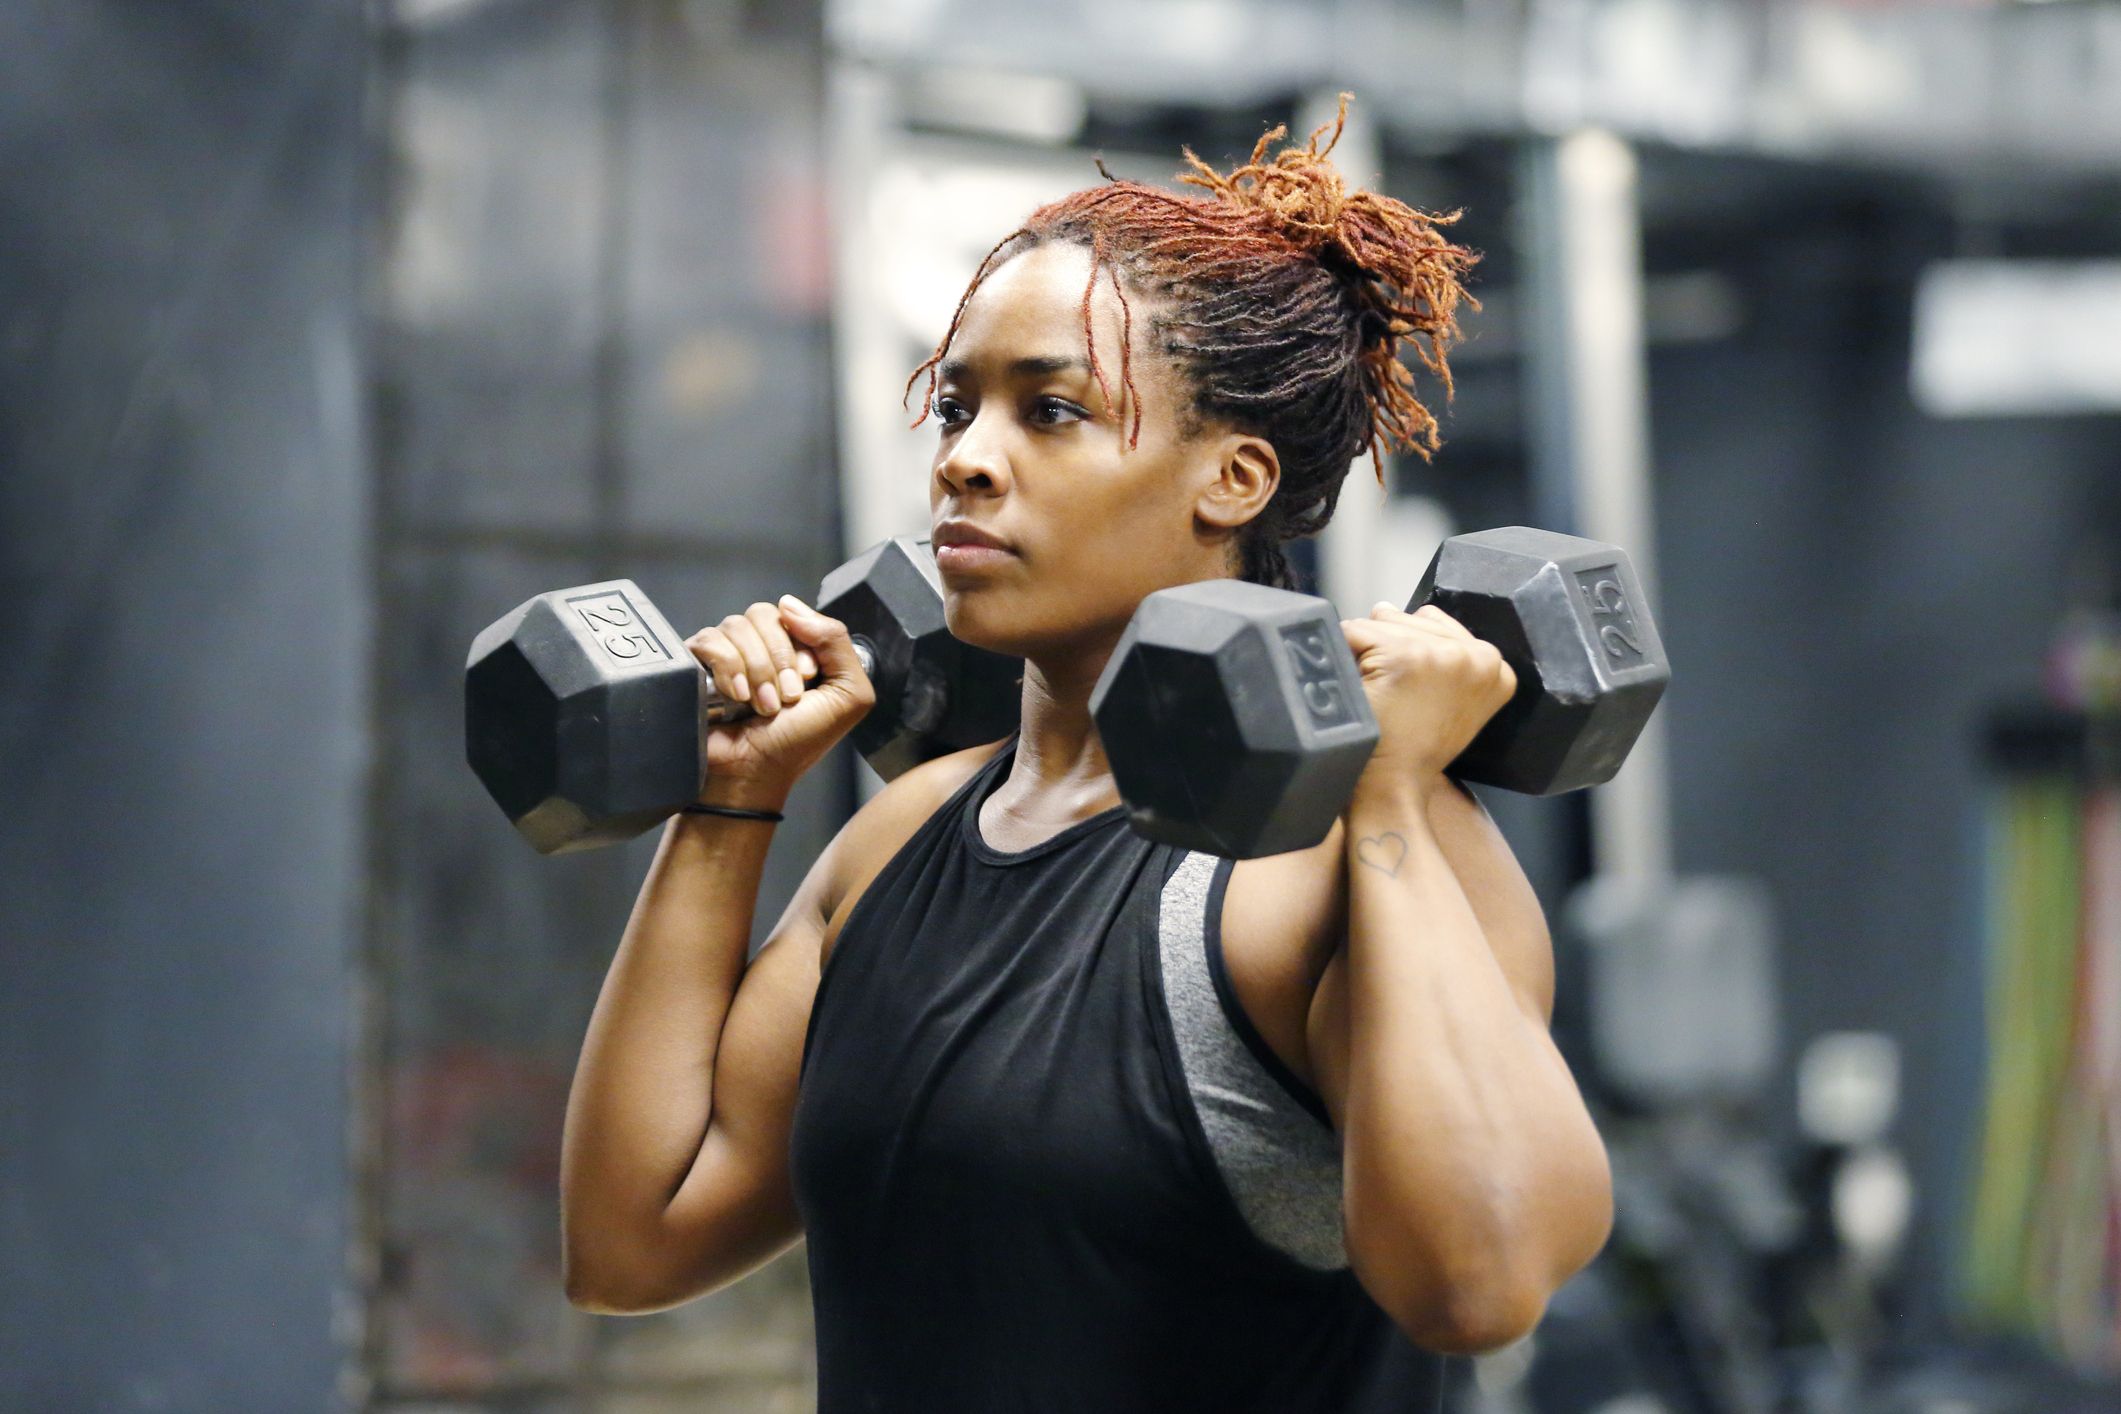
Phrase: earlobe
[1247,472]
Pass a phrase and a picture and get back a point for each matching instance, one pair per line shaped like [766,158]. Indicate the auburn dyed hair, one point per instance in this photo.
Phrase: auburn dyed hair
[1286,300]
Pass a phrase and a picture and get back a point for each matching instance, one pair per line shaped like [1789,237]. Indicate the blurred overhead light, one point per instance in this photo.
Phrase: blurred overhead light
[2001,337]
[423,13]
[1027,107]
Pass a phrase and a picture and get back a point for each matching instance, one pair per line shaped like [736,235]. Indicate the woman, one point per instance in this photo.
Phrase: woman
[1072,1120]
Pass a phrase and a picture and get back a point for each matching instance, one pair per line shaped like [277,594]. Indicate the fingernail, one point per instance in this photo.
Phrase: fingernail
[769,700]
[741,686]
[791,685]
[806,665]
[789,601]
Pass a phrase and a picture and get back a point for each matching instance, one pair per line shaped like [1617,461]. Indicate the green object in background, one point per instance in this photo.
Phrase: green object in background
[2033,928]
[2042,1242]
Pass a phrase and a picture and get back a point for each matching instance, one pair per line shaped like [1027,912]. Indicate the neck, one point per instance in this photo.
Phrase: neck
[1060,770]
[1059,741]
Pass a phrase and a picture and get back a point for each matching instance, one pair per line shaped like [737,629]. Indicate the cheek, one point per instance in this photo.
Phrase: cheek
[1152,483]
[1102,523]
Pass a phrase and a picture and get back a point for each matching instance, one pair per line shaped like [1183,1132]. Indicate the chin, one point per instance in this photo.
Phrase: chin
[974,618]
[996,621]
[1044,632]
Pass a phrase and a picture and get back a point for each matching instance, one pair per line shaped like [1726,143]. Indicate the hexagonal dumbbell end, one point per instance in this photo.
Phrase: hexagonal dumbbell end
[582,716]
[934,694]
[1570,618]
[1234,718]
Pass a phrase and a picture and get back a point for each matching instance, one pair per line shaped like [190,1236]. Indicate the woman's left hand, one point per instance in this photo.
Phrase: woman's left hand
[1431,684]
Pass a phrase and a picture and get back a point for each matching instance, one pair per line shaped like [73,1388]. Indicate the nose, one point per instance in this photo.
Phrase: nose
[974,463]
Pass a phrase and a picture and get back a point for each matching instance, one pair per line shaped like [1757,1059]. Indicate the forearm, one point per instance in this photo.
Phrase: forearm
[1475,1179]
[643,1089]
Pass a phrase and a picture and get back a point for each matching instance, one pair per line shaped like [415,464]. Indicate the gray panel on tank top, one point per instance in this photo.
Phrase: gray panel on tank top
[1279,1163]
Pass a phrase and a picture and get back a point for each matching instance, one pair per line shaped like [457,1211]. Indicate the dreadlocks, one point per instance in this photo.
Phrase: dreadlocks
[1284,297]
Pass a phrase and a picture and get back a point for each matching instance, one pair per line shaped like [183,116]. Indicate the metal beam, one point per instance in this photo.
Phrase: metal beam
[1589,410]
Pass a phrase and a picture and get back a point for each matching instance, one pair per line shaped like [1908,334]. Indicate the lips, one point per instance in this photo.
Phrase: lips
[965,533]
[964,552]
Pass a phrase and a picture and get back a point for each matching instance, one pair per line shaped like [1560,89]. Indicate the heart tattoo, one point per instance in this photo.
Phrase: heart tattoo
[1384,853]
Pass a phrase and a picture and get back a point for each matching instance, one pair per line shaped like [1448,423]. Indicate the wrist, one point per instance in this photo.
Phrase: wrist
[734,794]
[1395,787]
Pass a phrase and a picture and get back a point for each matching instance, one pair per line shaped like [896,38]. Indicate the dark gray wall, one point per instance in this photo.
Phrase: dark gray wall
[182,698]
[1848,586]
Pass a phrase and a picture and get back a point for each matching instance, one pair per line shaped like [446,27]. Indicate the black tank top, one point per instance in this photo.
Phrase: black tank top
[1009,1199]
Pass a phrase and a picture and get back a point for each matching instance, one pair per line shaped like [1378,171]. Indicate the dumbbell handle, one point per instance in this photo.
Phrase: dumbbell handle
[717,709]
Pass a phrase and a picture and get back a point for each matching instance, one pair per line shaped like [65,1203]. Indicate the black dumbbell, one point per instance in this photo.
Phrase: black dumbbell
[1234,718]
[586,717]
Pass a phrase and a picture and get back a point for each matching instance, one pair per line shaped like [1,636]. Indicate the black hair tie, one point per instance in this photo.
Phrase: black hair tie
[734,812]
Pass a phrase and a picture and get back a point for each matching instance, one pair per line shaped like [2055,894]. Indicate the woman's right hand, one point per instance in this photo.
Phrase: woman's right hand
[798,672]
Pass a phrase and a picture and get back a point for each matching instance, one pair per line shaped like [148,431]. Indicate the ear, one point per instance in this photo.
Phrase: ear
[1246,473]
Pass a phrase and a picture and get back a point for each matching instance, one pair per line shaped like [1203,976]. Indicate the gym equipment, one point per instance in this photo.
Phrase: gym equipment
[1235,722]
[1571,620]
[2035,1259]
[1680,986]
[1233,718]
[586,717]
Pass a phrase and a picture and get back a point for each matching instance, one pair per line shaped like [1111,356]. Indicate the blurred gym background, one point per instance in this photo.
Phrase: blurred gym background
[329,331]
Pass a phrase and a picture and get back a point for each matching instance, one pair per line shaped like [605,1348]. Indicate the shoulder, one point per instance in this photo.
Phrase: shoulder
[882,826]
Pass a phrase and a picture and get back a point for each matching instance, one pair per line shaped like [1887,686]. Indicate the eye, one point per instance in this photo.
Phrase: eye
[949,412]
[1054,412]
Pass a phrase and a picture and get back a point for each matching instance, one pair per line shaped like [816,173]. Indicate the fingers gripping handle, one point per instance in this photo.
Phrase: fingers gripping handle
[717,710]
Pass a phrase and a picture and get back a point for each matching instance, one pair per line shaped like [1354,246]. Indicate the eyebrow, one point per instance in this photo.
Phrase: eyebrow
[1037,366]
